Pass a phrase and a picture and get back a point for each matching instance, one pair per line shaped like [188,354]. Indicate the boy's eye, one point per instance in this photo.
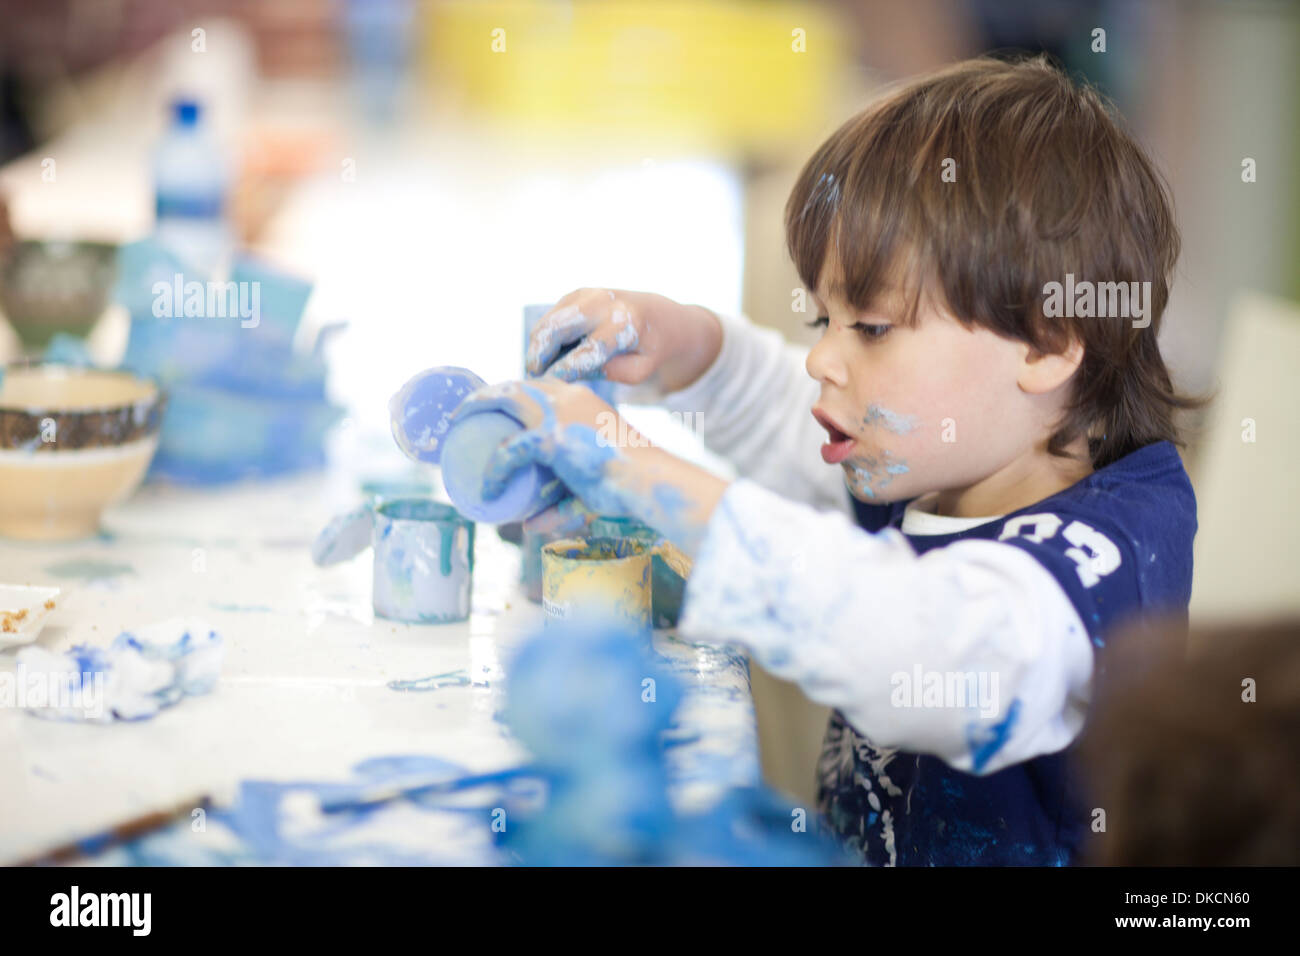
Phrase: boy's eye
[868,330]
[872,331]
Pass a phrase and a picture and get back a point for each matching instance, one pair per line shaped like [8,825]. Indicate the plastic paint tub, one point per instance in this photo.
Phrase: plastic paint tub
[599,580]
[424,561]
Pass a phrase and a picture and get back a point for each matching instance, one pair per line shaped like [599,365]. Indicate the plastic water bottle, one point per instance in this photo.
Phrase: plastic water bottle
[191,181]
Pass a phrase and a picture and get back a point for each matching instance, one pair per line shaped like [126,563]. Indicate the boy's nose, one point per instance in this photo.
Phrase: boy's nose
[824,364]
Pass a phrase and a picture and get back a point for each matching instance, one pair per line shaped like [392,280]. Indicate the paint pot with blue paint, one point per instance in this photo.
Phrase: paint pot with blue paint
[532,314]
[421,412]
[667,585]
[424,561]
[424,556]
[601,581]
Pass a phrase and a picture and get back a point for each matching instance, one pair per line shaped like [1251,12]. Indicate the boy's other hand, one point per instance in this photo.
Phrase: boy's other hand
[627,337]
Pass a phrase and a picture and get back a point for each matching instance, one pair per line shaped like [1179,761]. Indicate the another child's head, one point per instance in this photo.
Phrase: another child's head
[930,228]
[1194,761]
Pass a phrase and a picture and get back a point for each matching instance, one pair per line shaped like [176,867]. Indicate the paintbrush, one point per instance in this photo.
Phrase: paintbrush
[386,794]
[117,834]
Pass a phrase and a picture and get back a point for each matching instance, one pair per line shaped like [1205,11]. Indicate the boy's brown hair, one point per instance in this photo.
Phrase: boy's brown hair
[1047,183]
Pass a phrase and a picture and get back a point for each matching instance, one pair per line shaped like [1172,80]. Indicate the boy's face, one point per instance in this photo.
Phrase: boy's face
[909,410]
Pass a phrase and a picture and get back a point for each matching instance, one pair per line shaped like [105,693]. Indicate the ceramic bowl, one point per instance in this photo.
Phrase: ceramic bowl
[72,442]
[53,286]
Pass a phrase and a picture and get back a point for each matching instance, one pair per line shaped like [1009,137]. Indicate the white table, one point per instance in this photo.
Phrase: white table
[304,692]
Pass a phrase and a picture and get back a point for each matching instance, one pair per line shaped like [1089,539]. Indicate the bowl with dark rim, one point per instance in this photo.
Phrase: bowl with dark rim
[72,442]
[49,286]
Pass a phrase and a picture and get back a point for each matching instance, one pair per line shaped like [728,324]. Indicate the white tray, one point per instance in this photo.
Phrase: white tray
[17,627]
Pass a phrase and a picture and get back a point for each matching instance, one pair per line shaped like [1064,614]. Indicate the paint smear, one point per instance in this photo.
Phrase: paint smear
[878,415]
[458,678]
[88,568]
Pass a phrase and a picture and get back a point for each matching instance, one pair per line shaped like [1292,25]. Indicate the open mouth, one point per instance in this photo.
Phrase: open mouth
[840,444]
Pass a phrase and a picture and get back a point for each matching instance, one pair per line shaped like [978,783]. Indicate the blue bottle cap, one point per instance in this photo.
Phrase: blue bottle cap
[186,112]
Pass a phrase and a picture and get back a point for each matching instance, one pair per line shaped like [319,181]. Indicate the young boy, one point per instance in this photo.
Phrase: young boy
[1015,490]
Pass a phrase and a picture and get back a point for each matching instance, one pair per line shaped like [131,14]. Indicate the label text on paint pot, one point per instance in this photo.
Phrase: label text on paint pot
[553,609]
[102,909]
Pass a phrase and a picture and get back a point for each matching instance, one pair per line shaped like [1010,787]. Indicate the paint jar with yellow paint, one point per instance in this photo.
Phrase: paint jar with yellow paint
[667,577]
[597,580]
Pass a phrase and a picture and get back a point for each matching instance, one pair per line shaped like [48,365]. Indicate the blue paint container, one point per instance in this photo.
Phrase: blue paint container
[424,561]
[466,452]
[420,419]
[424,556]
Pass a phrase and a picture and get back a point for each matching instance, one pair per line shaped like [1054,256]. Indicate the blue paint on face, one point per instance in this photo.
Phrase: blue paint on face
[879,416]
[867,474]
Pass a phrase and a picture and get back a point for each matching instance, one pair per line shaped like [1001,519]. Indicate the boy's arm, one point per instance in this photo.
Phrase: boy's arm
[755,404]
[862,624]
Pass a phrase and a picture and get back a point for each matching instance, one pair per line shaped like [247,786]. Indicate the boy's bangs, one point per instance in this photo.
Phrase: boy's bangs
[858,232]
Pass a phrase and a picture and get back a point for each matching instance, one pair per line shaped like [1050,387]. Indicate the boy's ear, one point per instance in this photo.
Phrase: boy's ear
[1043,372]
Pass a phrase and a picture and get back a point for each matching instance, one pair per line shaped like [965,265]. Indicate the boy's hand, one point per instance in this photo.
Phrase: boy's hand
[564,429]
[628,337]
[571,430]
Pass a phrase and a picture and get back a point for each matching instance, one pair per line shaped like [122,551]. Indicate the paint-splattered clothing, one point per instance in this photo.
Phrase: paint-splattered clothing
[1118,543]
[863,622]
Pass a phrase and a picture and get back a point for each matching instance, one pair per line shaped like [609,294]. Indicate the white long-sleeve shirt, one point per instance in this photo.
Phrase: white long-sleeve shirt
[858,620]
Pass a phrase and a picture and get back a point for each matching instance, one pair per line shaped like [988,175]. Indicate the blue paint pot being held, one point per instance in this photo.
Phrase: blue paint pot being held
[420,412]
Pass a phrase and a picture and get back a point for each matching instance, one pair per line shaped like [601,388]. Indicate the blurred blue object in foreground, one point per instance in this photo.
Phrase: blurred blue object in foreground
[592,706]
[242,401]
